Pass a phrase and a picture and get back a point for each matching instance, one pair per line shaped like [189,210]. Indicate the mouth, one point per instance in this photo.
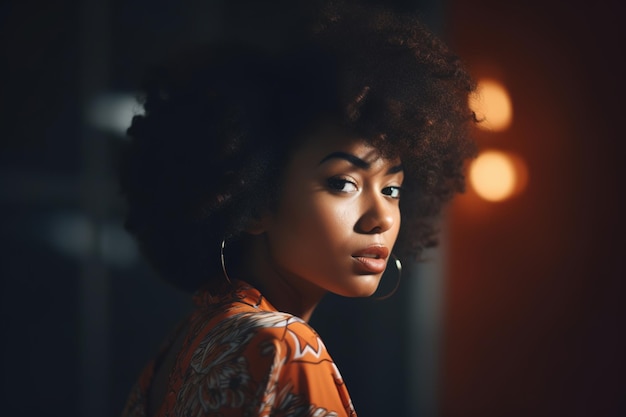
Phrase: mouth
[372,259]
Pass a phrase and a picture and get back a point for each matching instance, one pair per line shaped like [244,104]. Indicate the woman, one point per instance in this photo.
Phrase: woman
[263,179]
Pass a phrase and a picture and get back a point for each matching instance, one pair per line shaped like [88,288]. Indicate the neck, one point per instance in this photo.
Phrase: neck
[286,292]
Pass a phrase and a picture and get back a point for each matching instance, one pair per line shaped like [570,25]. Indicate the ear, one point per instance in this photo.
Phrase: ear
[257,226]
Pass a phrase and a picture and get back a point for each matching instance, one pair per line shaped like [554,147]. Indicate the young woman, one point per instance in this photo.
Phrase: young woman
[262,179]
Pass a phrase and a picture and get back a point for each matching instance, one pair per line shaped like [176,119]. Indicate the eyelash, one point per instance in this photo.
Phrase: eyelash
[338,184]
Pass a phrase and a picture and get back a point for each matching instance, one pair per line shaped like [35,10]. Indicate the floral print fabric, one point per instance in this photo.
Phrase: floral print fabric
[241,357]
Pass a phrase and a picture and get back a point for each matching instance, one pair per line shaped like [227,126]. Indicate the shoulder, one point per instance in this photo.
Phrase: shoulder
[256,332]
[256,336]
[263,362]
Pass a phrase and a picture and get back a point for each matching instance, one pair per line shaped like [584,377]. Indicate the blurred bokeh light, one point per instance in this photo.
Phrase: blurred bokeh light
[492,105]
[497,175]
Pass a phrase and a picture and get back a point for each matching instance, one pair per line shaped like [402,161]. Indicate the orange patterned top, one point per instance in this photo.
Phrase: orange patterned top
[242,357]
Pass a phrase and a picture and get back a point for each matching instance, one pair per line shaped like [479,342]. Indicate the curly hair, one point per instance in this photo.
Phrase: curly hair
[221,122]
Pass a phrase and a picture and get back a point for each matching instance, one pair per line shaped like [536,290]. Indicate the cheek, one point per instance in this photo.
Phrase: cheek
[319,221]
[311,228]
[334,218]
[397,223]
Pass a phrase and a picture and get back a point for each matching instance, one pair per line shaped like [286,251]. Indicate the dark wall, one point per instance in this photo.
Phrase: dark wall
[535,318]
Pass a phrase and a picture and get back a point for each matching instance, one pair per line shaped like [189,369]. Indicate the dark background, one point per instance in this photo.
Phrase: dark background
[535,298]
[533,318]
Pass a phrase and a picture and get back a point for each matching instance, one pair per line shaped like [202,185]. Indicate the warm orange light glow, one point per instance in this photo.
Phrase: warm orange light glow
[492,104]
[496,176]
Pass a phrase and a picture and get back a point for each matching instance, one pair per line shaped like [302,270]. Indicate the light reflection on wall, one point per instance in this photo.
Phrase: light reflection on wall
[492,105]
[495,175]
[73,234]
[113,112]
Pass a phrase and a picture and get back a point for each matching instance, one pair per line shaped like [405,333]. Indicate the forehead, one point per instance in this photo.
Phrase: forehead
[319,147]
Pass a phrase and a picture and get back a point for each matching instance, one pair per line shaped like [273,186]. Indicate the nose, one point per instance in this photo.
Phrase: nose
[379,215]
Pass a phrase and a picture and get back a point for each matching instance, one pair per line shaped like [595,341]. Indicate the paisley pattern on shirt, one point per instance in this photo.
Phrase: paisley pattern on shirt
[244,358]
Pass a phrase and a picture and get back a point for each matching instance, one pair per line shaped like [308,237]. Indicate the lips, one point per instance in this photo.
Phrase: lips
[372,259]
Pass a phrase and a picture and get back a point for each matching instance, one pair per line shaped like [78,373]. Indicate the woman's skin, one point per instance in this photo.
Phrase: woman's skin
[336,222]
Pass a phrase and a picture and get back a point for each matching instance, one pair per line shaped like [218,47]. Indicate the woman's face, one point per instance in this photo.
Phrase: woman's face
[337,218]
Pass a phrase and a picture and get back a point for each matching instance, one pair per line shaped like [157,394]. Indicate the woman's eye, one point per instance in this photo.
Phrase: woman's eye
[393,192]
[341,185]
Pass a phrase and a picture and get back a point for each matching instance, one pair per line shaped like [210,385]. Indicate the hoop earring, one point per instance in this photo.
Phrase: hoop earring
[223,244]
[398,265]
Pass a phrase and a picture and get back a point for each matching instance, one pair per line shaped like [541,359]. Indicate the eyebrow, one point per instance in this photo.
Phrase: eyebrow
[357,162]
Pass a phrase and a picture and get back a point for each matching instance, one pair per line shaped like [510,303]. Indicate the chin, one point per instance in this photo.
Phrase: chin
[365,286]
